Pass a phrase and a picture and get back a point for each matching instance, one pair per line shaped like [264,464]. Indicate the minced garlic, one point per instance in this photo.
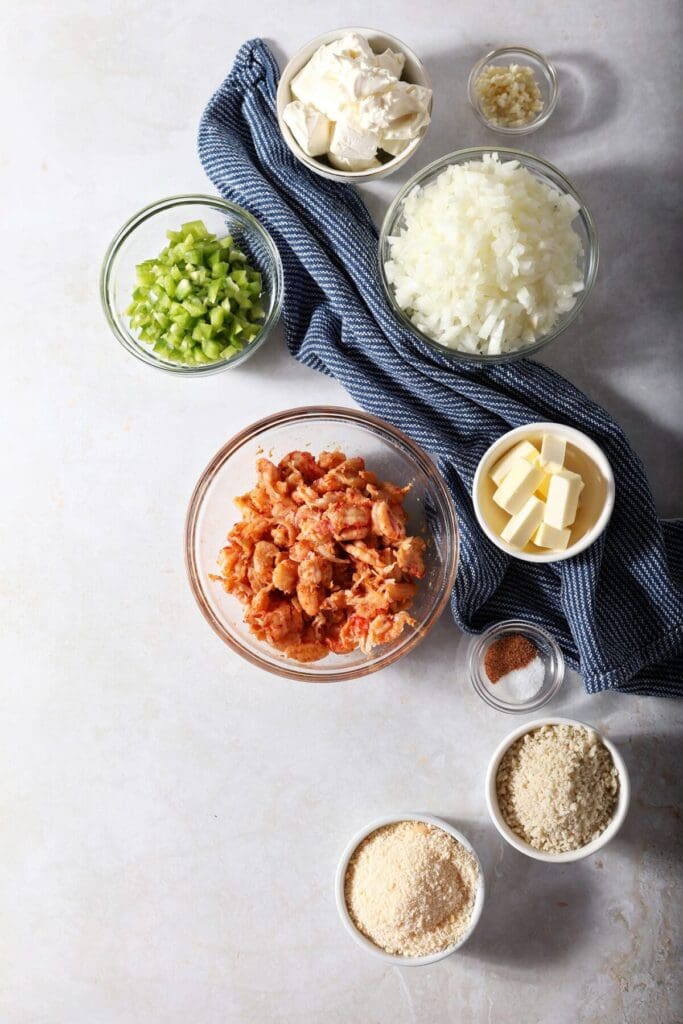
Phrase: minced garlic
[410,888]
[509,96]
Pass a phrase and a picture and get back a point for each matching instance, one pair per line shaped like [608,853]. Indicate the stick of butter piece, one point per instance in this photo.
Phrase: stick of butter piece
[523,450]
[563,499]
[521,527]
[548,537]
[542,489]
[519,484]
[553,450]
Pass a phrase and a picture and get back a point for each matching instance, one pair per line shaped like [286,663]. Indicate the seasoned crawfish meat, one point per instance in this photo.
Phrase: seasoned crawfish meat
[321,558]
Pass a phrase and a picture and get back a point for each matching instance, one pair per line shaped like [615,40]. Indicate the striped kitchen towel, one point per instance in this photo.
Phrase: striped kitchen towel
[616,609]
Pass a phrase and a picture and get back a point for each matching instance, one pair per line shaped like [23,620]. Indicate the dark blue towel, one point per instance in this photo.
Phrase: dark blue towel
[616,609]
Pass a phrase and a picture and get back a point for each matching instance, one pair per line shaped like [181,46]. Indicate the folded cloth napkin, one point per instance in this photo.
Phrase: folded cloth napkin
[616,609]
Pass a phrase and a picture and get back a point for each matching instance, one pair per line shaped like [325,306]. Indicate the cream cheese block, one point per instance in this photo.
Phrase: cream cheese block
[311,129]
[361,102]
[352,148]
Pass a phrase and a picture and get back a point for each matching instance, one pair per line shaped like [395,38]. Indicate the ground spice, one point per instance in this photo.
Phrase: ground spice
[508,653]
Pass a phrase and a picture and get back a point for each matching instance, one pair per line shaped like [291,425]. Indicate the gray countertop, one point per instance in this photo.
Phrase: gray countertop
[172,816]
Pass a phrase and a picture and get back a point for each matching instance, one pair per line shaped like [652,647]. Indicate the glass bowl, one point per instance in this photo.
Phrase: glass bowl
[392,456]
[144,236]
[583,224]
[548,651]
[544,72]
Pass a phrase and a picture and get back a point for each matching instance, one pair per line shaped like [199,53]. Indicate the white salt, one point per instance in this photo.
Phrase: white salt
[521,684]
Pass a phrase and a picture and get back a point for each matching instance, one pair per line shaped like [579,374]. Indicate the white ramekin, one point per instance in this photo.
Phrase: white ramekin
[414,73]
[367,945]
[580,441]
[519,844]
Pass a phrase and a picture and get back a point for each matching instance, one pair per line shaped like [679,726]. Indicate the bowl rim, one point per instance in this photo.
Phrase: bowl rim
[343,910]
[283,97]
[551,75]
[510,837]
[477,649]
[580,440]
[591,251]
[130,343]
[288,669]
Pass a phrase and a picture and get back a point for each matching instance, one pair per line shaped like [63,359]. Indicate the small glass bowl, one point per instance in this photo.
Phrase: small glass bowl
[548,651]
[144,236]
[583,223]
[388,452]
[545,75]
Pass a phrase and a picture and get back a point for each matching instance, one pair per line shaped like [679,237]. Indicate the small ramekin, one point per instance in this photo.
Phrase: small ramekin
[513,839]
[339,885]
[579,440]
[548,651]
[545,74]
[414,72]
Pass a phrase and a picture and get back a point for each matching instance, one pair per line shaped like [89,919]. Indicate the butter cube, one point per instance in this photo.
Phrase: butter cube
[519,484]
[523,450]
[563,499]
[553,450]
[542,489]
[520,529]
[548,537]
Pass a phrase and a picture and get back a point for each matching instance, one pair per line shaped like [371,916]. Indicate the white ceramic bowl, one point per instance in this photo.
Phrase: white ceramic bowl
[580,441]
[367,945]
[414,72]
[519,844]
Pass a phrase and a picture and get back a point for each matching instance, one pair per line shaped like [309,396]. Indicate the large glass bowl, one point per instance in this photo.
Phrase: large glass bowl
[583,224]
[387,452]
[144,236]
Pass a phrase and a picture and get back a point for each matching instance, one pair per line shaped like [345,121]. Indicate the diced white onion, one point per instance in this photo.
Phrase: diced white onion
[487,258]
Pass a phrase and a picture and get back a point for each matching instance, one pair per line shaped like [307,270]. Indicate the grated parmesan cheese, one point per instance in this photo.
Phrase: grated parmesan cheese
[509,96]
[410,888]
[487,259]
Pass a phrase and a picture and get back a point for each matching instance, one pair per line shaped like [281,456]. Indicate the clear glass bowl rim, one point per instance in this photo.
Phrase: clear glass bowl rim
[129,341]
[478,646]
[311,413]
[551,76]
[591,256]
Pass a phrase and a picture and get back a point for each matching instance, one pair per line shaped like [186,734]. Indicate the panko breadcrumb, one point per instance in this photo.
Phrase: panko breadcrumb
[557,787]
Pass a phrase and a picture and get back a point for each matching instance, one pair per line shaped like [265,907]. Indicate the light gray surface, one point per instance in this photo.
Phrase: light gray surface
[171,817]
